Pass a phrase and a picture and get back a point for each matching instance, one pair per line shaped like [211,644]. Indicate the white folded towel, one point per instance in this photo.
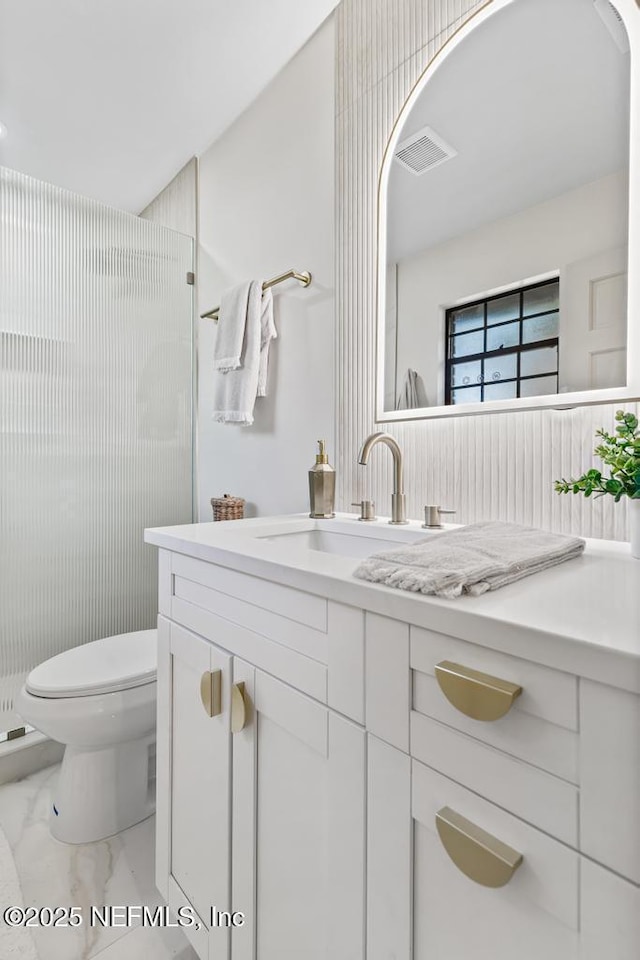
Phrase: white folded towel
[473,559]
[245,330]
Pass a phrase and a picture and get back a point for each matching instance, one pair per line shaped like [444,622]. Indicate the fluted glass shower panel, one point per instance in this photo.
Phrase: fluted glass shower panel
[95,419]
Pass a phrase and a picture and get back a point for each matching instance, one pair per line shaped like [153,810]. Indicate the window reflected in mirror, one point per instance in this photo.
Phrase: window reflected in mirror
[506,214]
[503,347]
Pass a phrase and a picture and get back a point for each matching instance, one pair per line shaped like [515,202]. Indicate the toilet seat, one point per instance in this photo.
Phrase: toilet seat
[103,666]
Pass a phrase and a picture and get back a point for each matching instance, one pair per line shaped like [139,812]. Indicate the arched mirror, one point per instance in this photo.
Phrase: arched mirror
[508,217]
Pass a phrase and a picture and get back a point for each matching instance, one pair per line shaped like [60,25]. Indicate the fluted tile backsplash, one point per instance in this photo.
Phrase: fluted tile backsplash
[499,466]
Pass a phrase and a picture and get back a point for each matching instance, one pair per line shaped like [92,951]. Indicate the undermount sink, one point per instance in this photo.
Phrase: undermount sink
[347,539]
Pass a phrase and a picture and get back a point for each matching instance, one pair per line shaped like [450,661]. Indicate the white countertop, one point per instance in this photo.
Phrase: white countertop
[582,616]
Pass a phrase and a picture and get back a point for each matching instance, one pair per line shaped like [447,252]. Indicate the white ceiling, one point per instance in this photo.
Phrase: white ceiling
[536,102]
[110,98]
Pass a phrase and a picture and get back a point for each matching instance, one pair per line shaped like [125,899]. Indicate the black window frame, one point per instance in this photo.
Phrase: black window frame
[517,349]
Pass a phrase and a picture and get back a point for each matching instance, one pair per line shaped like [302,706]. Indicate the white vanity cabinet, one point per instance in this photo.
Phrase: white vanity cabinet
[261,787]
[349,793]
[493,838]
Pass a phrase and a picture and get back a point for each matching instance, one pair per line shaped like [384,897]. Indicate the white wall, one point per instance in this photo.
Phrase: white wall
[176,206]
[266,203]
[544,238]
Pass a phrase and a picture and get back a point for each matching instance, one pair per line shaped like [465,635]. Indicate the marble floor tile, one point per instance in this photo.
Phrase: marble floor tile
[113,872]
[15,942]
[149,944]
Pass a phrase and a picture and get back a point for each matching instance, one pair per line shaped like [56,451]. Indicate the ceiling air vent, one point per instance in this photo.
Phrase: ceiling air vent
[423,151]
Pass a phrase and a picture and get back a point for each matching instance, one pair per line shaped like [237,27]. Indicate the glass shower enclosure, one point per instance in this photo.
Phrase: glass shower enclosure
[96,368]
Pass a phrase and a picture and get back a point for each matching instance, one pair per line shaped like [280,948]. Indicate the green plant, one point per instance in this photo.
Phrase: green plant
[621,453]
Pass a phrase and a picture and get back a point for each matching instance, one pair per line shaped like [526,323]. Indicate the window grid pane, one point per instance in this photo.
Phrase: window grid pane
[497,347]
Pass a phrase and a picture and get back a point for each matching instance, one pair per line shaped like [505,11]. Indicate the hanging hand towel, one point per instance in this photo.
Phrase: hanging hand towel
[232,321]
[236,387]
[412,394]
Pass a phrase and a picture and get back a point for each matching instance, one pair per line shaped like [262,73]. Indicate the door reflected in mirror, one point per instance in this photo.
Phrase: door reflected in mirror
[505,218]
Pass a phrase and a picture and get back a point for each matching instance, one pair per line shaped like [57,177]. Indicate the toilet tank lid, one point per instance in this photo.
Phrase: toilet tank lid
[102,666]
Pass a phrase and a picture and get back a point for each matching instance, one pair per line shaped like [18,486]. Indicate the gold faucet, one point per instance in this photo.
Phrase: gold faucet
[398,499]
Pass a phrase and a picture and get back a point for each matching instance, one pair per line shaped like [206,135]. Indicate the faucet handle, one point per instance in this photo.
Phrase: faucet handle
[367,509]
[433,516]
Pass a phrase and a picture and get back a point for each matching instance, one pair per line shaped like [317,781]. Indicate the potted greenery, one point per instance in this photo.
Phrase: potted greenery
[621,453]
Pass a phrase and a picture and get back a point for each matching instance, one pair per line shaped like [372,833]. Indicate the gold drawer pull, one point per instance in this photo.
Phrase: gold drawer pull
[477,695]
[475,852]
[211,692]
[239,707]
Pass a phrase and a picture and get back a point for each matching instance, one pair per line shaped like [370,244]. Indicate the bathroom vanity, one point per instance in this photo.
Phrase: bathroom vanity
[315,775]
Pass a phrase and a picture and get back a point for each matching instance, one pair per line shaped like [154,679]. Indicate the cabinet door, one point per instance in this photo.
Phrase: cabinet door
[298,826]
[610,914]
[423,906]
[193,785]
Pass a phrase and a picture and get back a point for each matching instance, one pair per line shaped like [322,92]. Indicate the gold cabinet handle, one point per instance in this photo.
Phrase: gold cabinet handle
[211,692]
[477,695]
[475,852]
[239,707]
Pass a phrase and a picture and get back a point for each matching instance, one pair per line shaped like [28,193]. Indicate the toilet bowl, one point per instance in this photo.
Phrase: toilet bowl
[99,700]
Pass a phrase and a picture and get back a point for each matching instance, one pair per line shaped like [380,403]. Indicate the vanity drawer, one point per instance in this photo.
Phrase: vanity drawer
[312,643]
[453,876]
[547,694]
[521,735]
[297,636]
[250,593]
[546,879]
[555,904]
[301,672]
[339,682]
[539,726]
[281,630]
[537,797]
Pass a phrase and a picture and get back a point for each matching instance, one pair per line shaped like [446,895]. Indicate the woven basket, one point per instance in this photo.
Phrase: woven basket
[227,507]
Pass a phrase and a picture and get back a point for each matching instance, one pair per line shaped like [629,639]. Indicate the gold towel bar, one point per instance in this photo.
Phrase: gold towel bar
[303,277]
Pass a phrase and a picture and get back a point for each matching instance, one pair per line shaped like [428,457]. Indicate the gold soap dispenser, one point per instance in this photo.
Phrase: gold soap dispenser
[322,485]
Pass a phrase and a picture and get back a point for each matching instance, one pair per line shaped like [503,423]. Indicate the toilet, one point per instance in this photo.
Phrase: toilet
[99,699]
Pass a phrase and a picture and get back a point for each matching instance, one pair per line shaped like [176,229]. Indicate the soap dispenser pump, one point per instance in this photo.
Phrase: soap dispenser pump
[322,485]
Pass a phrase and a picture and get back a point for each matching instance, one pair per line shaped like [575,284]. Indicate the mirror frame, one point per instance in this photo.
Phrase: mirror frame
[629,10]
